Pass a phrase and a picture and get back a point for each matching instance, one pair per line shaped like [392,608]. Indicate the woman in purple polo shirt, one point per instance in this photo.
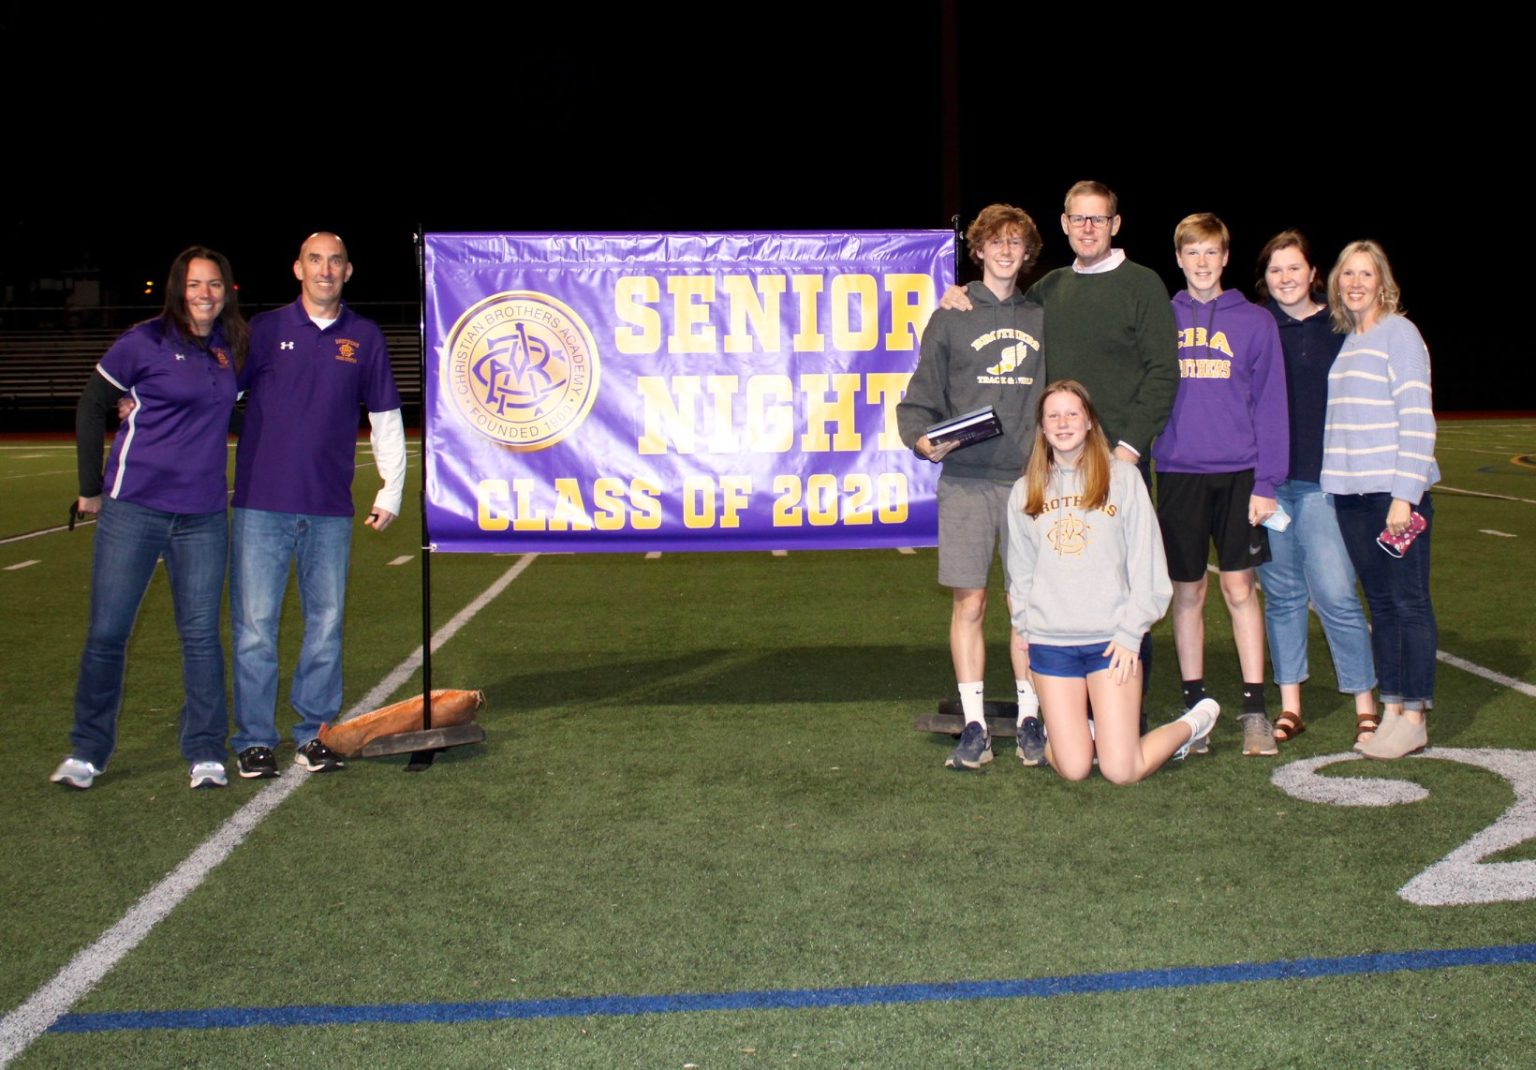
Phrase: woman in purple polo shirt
[163,494]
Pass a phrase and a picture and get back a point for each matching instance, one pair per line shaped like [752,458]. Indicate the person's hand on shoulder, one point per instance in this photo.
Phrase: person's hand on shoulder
[956,299]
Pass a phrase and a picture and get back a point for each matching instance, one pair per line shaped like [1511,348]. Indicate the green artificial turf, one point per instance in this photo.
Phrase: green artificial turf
[701,776]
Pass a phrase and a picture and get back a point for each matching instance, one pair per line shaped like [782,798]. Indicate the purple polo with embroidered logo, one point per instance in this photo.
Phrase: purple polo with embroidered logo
[305,387]
[172,452]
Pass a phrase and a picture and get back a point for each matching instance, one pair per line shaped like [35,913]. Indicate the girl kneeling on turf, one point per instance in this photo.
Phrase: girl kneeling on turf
[1088,581]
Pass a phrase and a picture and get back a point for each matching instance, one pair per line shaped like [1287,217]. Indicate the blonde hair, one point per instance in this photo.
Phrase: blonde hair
[1094,462]
[1202,226]
[1090,188]
[1389,297]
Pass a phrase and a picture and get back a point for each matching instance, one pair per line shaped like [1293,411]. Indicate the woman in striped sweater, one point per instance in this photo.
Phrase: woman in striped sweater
[1379,463]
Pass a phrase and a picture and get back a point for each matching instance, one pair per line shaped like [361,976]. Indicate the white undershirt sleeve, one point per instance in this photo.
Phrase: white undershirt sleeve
[386,435]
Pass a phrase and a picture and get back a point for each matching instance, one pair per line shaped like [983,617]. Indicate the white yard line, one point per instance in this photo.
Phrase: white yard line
[1484,494]
[44,531]
[1464,665]
[1473,449]
[31,475]
[1487,674]
[22,564]
[83,972]
[81,523]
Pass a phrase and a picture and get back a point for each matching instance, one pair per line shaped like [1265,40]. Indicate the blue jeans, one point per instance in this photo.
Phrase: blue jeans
[129,540]
[263,546]
[1403,630]
[1308,561]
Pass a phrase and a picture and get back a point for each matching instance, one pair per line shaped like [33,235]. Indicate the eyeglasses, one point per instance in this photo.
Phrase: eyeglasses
[1004,243]
[1081,221]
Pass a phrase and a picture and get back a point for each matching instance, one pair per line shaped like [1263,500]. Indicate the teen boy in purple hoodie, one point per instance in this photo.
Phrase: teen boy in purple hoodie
[1219,459]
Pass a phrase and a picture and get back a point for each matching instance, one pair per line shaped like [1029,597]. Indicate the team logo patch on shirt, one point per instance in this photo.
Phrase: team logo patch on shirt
[346,350]
[221,356]
[1069,536]
[521,369]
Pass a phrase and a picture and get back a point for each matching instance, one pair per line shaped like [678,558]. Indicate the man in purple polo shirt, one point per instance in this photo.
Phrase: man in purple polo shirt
[311,365]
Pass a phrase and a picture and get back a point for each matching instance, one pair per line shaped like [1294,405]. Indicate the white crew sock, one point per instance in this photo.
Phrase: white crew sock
[1029,702]
[971,703]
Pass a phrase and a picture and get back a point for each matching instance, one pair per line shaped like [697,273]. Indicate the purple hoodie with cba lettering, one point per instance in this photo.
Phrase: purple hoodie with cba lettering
[1230,412]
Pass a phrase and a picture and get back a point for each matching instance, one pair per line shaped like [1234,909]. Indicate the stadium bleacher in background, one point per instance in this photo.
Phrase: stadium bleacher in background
[43,370]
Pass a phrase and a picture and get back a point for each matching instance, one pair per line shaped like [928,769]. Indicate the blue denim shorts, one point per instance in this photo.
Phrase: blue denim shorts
[1074,662]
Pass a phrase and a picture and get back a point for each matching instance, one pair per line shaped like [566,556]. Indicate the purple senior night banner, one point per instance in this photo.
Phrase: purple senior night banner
[636,392]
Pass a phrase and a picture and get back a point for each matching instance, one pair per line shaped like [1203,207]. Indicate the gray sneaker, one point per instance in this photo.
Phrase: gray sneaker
[1258,735]
[1031,741]
[973,751]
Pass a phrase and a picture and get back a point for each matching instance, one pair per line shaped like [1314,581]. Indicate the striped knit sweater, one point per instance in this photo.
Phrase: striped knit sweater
[1380,434]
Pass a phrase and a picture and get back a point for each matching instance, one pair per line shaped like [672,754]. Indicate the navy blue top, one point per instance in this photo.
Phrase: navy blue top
[1310,346]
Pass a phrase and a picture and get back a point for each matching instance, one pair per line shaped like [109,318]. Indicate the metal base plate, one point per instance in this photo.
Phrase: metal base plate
[432,739]
[1002,719]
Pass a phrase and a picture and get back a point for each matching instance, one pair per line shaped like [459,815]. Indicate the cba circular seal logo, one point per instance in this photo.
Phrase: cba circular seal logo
[521,368]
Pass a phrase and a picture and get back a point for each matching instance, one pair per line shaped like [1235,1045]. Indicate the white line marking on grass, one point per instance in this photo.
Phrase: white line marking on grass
[1473,449]
[1500,534]
[403,559]
[1487,674]
[1469,666]
[905,550]
[31,475]
[1484,494]
[779,553]
[654,555]
[22,564]
[83,972]
[44,531]
[403,671]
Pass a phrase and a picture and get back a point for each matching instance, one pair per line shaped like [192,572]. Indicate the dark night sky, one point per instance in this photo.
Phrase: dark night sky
[797,123]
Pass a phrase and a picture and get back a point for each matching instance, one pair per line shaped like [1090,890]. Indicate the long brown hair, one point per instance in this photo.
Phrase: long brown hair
[1093,463]
[236,333]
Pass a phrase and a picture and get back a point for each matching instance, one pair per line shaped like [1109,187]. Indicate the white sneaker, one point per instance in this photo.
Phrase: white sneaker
[75,773]
[1201,718]
[209,775]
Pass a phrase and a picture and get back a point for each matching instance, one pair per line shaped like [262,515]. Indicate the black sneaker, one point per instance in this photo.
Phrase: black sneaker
[258,763]
[316,757]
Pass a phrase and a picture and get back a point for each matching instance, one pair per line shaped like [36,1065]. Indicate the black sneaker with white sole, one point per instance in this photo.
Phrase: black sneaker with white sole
[316,757]
[258,763]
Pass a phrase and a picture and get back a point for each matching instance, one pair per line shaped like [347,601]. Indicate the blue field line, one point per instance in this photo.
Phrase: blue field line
[798,998]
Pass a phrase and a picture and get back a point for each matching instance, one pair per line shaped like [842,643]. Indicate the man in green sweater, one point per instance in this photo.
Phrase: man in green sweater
[1110,327]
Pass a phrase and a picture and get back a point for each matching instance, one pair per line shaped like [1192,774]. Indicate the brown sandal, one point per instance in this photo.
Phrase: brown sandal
[1288,726]
[1365,727]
